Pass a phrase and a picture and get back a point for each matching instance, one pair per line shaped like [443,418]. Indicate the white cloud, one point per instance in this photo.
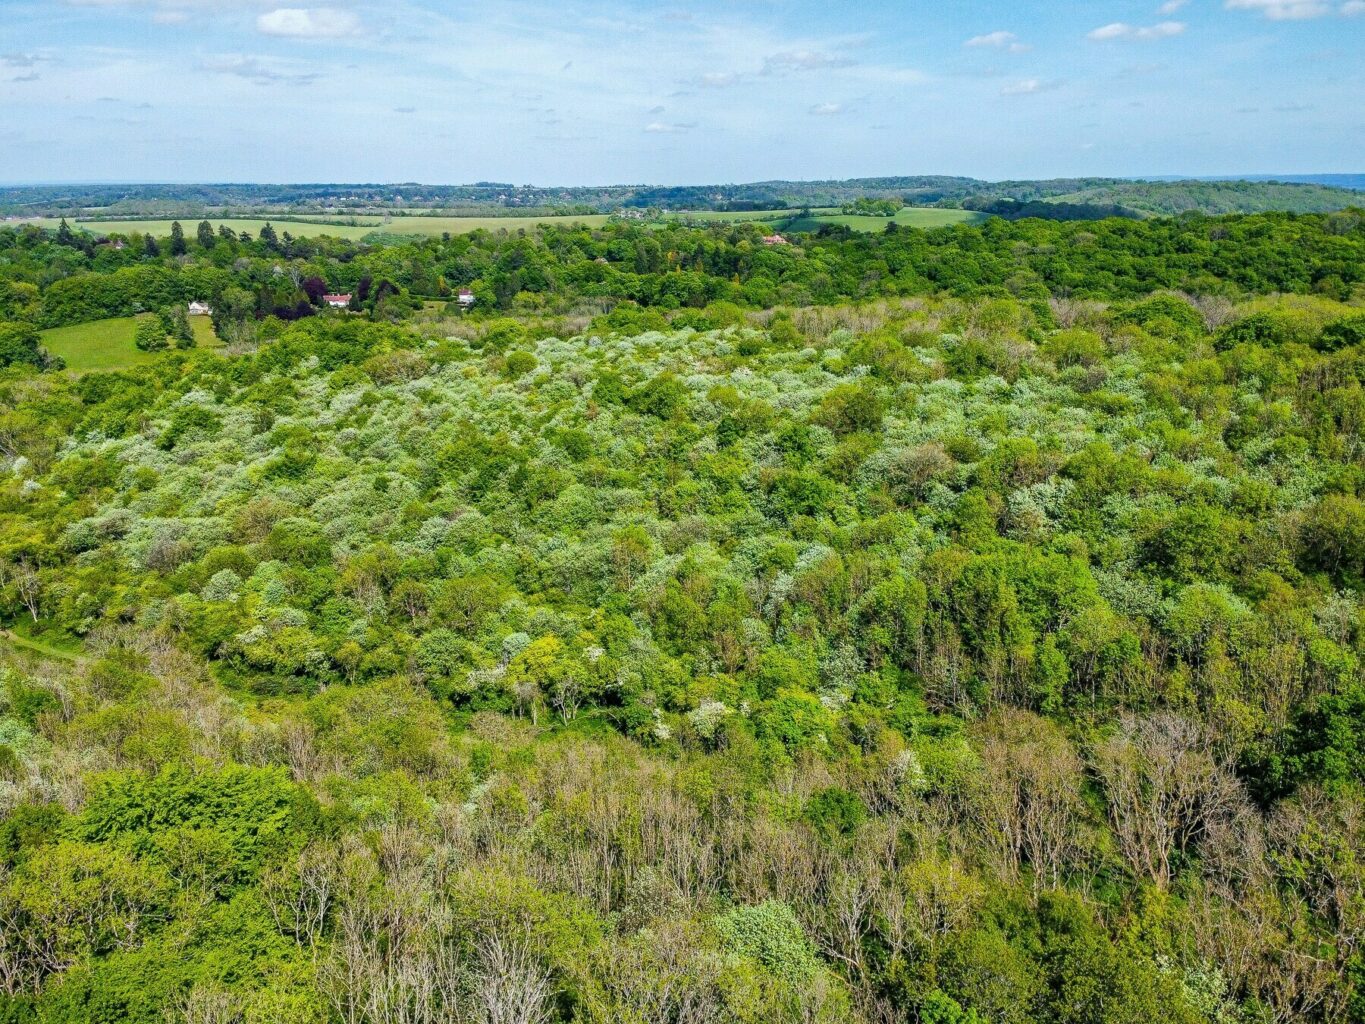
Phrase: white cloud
[1026,87]
[827,109]
[1282,10]
[308,23]
[1114,30]
[718,79]
[1352,8]
[1171,6]
[991,39]
[665,128]
[1122,30]
[998,40]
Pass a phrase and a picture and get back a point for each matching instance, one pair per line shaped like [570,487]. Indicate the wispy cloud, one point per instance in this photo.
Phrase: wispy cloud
[1282,10]
[669,128]
[1146,33]
[802,60]
[826,109]
[717,79]
[1171,6]
[1031,86]
[256,70]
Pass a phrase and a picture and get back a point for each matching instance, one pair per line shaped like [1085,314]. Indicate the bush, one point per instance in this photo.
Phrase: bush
[851,407]
[770,934]
[521,363]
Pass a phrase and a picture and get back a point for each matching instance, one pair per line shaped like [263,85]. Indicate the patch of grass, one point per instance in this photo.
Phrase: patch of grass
[108,344]
[42,648]
[204,334]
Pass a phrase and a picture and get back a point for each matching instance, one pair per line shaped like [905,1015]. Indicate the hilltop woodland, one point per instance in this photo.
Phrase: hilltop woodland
[937,627]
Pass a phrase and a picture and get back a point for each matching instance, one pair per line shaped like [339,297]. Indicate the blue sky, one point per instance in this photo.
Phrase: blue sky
[612,91]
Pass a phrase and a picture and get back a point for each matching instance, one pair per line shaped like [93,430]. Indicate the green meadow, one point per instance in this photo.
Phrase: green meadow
[313,228]
[909,217]
[108,344]
[919,217]
[788,220]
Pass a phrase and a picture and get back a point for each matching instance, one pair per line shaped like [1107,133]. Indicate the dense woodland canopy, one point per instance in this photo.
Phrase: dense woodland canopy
[926,627]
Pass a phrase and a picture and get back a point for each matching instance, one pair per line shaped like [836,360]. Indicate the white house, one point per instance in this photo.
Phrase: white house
[338,301]
[465,298]
[200,309]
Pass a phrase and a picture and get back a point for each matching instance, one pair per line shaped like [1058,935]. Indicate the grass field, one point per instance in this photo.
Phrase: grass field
[910,216]
[731,217]
[919,217]
[108,344]
[308,229]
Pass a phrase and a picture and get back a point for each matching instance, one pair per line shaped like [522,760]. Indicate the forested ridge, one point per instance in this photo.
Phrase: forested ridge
[938,627]
[1329,192]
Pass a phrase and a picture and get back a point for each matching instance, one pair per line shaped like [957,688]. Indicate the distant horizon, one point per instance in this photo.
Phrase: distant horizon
[1295,178]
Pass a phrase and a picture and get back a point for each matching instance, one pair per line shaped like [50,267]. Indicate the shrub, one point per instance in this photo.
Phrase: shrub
[770,934]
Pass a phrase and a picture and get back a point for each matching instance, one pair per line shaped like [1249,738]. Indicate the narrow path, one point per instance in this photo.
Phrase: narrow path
[36,646]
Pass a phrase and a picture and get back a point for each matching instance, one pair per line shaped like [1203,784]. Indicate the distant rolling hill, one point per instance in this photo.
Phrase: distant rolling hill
[1351,181]
[1169,198]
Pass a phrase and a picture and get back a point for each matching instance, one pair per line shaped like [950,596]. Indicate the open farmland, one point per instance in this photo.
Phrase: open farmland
[314,228]
[790,220]
[909,217]
[919,217]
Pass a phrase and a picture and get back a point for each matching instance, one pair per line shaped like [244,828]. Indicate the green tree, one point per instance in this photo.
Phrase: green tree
[179,328]
[20,344]
[150,334]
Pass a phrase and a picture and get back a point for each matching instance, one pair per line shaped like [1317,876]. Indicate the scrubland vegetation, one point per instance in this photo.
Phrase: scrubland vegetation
[931,627]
